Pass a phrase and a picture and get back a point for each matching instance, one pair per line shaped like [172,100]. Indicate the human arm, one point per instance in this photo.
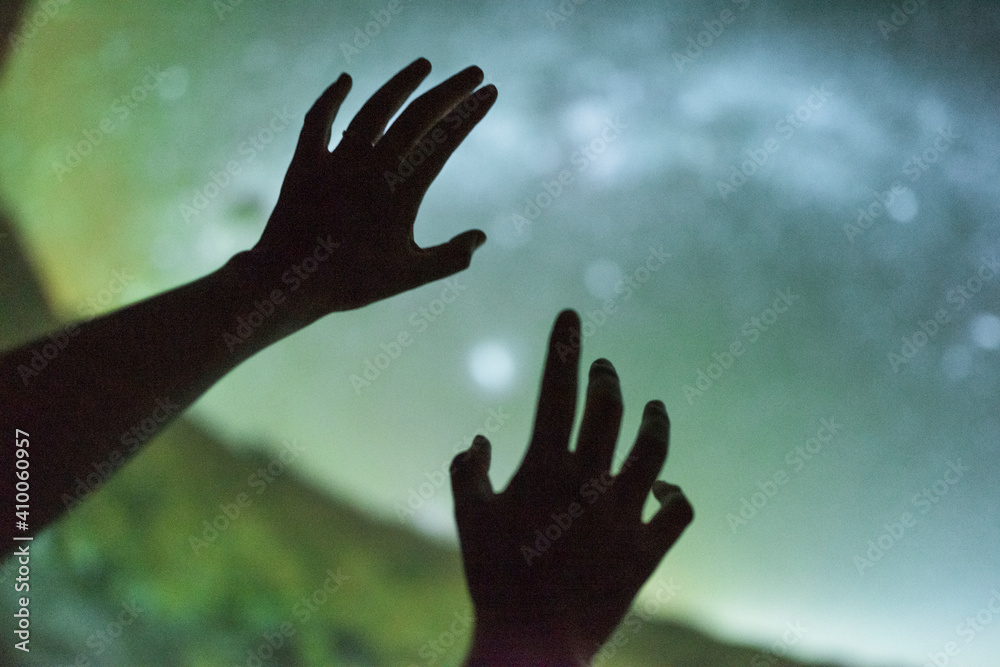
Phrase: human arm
[337,213]
[554,561]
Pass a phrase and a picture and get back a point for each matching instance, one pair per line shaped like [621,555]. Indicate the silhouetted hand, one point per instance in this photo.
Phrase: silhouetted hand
[341,236]
[352,210]
[555,560]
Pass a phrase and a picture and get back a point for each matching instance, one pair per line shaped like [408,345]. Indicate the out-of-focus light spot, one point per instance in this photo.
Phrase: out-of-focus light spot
[174,83]
[601,278]
[904,206]
[607,166]
[956,362]
[985,330]
[586,119]
[491,366]
[261,56]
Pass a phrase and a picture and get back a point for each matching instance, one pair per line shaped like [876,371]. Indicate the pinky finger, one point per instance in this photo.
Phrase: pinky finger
[674,515]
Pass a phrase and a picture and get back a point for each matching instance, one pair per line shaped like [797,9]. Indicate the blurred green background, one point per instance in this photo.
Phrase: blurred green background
[843,156]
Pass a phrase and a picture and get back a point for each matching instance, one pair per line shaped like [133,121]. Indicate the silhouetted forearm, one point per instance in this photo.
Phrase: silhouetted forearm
[90,396]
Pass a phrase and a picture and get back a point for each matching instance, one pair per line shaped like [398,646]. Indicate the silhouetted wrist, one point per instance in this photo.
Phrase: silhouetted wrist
[523,646]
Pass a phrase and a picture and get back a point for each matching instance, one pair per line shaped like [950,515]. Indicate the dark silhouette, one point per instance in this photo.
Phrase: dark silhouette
[340,237]
[555,560]
[84,399]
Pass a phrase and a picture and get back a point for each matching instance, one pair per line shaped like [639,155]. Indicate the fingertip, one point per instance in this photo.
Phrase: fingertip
[565,338]
[655,408]
[480,443]
[602,365]
[671,496]
[473,239]
[662,490]
[476,73]
[421,65]
[568,318]
[475,460]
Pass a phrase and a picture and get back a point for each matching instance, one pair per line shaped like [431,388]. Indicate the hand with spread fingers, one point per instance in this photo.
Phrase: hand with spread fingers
[555,560]
[340,237]
[352,210]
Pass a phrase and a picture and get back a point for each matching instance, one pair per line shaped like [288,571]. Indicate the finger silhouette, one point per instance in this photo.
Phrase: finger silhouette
[369,124]
[451,131]
[315,135]
[602,418]
[470,481]
[557,399]
[449,258]
[646,458]
[424,112]
[666,526]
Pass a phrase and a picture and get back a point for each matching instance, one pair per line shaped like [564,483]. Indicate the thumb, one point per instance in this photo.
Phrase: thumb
[470,482]
[443,260]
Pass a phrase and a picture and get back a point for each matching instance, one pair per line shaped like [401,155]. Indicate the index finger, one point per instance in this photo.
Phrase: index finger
[557,400]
